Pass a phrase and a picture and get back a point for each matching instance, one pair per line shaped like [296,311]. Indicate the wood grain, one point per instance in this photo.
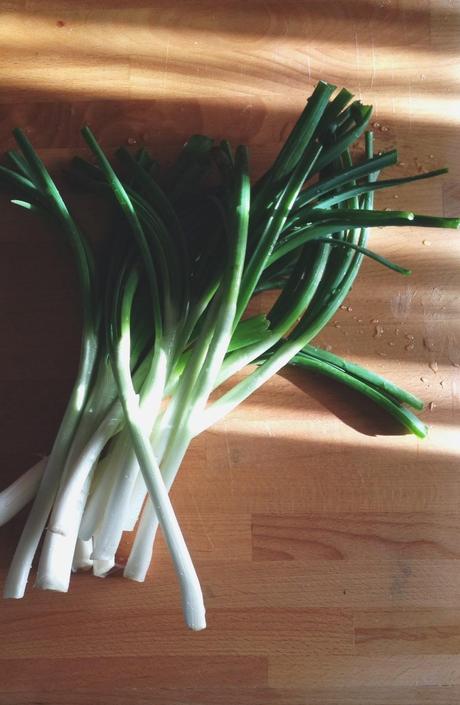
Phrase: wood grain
[327,543]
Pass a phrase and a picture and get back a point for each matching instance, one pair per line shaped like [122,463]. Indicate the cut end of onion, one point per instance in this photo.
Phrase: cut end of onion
[196,619]
[52,582]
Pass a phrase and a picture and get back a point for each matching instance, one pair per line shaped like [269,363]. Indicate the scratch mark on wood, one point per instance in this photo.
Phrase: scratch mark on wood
[410,106]
[268,429]
[358,63]
[166,64]
[373,63]
[229,461]
[202,522]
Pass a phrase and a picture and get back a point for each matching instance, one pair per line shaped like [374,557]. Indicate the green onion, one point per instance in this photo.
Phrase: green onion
[165,321]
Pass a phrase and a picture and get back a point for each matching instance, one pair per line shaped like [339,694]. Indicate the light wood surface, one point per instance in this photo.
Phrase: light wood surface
[328,544]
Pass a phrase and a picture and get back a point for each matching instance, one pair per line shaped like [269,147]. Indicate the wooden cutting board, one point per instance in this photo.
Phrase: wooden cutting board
[326,542]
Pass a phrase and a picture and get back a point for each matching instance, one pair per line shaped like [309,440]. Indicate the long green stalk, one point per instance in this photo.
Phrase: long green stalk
[192,599]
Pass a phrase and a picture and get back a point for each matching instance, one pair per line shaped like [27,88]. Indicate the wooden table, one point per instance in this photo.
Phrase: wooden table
[327,543]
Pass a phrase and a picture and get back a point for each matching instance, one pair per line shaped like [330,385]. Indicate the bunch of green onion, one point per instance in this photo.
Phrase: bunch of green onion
[165,322]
